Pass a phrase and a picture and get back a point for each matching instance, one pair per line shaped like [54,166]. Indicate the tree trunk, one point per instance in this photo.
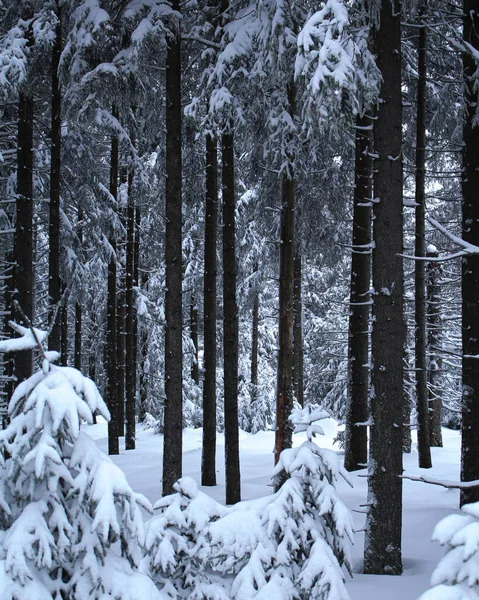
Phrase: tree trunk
[54,283]
[434,364]
[470,263]
[78,303]
[195,372]
[24,283]
[255,340]
[110,350]
[172,451]
[230,323]
[208,457]
[136,281]
[64,327]
[424,450]
[285,385]
[130,324]
[121,313]
[120,353]
[382,552]
[356,452]
[298,353]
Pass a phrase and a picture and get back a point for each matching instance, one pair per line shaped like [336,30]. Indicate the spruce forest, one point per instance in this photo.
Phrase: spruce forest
[239,267]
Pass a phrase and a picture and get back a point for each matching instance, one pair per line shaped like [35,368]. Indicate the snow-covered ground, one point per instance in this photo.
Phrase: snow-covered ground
[423,504]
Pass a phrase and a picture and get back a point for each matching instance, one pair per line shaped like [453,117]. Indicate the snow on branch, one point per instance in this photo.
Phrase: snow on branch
[322,48]
[452,485]
[30,338]
[467,248]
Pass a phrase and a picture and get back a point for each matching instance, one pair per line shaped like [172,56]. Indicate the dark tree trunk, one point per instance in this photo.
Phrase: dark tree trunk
[78,335]
[23,251]
[110,349]
[172,452]
[130,329]
[230,323]
[356,452]
[64,327]
[120,353]
[208,457]
[195,371]
[424,450]
[298,353]
[143,383]
[136,281]
[470,263]
[9,360]
[120,316]
[285,384]
[382,552]
[255,339]
[78,303]
[434,364]
[54,283]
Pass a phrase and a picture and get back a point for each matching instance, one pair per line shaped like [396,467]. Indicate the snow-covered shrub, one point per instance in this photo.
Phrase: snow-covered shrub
[178,540]
[70,525]
[456,576]
[290,545]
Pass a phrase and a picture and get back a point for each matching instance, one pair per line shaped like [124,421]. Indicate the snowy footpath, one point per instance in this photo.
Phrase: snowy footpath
[423,504]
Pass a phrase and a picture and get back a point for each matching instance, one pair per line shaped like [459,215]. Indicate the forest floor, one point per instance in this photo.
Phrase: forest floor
[423,504]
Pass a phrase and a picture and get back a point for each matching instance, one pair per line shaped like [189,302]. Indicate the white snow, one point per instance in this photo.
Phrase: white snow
[424,505]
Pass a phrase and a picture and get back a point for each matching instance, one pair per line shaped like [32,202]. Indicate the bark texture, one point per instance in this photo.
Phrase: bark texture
[24,226]
[130,321]
[470,264]
[230,323]
[356,451]
[54,284]
[195,371]
[434,360]
[208,457]
[110,345]
[424,450]
[382,552]
[172,453]
[298,352]
[285,383]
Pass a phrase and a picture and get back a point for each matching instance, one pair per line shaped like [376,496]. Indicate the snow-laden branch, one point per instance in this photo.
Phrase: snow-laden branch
[452,485]
[30,339]
[467,248]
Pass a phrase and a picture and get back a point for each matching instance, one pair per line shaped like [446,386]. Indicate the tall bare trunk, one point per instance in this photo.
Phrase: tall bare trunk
[356,454]
[208,457]
[470,263]
[230,311]
[172,452]
[195,371]
[424,450]
[434,359]
[298,351]
[130,330]
[382,551]
[285,384]
[78,304]
[64,327]
[110,349]
[23,250]
[255,339]
[54,284]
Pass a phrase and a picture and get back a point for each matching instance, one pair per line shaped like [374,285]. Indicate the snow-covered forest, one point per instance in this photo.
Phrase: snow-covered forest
[239,264]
